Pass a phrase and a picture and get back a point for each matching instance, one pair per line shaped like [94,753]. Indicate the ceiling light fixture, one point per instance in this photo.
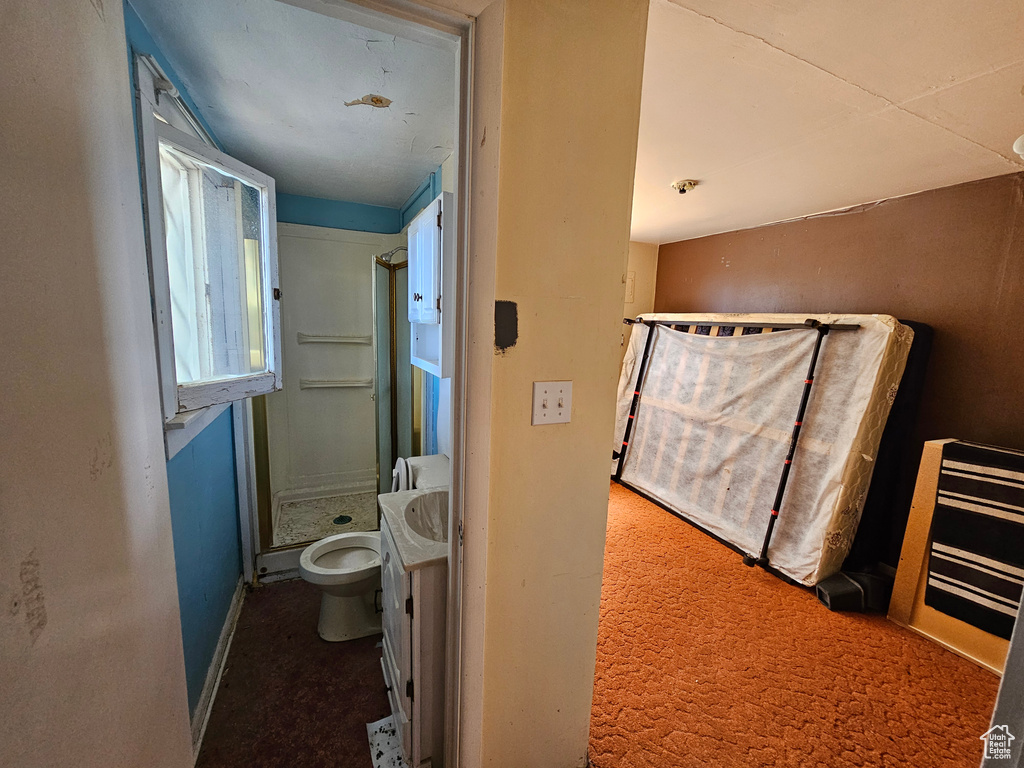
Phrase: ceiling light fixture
[1018,147]
[684,185]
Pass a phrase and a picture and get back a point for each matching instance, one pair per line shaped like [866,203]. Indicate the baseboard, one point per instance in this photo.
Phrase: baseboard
[271,578]
[278,564]
[201,716]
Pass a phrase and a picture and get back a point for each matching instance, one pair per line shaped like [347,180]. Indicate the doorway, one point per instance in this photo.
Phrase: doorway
[311,458]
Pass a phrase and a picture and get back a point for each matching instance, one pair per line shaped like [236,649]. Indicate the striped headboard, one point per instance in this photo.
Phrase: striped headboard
[976,554]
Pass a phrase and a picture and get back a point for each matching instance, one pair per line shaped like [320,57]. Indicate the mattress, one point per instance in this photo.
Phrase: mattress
[715,419]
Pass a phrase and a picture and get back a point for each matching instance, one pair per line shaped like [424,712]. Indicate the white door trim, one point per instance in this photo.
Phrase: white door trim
[426,22]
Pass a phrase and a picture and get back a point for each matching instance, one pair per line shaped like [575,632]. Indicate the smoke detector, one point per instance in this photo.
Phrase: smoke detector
[684,185]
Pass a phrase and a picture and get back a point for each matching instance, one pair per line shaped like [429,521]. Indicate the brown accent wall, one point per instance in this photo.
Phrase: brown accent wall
[952,258]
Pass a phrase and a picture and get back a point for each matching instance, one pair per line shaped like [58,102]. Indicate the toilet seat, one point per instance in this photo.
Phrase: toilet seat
[344,558]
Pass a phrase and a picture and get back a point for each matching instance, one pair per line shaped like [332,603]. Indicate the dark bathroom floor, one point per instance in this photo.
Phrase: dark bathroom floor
[288,698]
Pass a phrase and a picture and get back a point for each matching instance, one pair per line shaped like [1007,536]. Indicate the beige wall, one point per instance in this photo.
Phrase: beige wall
[85,530]
[639,282]
[641,279]
[570,76]
[952,258]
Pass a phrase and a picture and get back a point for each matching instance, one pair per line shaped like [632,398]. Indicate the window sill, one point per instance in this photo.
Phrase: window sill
[182,428]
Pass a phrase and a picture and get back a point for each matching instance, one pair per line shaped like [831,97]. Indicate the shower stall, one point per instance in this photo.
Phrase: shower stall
[325,444]
[394,371]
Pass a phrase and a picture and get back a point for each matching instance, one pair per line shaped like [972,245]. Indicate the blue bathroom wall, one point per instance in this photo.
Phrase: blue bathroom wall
[207,555]
[431,395]
[359,217]
[337,214]
[428,189]
[201,480]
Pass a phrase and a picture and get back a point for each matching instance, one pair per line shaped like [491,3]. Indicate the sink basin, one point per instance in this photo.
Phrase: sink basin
[427,515]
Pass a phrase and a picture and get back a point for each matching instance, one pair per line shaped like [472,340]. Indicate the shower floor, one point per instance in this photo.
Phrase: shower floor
[299,522]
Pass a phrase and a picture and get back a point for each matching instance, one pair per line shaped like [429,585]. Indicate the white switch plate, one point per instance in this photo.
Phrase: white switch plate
[552,402]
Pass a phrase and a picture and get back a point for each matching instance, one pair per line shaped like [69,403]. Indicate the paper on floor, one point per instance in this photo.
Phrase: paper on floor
[385,748]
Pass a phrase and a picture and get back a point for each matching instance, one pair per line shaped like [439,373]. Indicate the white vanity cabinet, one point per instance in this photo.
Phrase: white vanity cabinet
[432,286]
[414,642]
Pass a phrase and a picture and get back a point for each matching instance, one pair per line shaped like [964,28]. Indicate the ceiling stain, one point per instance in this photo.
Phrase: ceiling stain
[371,100]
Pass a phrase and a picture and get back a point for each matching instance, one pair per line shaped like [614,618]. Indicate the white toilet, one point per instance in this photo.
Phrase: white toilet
[347,568]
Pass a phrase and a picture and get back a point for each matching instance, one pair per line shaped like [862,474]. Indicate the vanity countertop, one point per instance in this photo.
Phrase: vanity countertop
[426,510]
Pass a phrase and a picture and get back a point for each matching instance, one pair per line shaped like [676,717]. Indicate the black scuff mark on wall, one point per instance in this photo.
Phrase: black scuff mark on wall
[506,326]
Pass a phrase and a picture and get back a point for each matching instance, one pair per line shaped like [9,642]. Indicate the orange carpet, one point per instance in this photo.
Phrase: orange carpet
[702,661]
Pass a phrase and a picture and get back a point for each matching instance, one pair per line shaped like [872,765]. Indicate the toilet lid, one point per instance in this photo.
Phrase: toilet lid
[347,559]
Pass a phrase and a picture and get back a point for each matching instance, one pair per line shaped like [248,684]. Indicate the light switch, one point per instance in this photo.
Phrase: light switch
[552,402]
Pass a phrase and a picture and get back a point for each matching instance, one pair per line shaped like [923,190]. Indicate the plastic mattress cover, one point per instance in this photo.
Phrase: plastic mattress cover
[715,420]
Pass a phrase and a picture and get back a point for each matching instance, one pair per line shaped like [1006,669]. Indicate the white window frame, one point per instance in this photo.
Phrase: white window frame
[184,404]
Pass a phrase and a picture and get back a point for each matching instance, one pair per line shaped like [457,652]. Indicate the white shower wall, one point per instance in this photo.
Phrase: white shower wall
[323,438]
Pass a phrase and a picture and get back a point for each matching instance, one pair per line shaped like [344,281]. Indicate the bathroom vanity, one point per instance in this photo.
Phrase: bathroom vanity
[414,579]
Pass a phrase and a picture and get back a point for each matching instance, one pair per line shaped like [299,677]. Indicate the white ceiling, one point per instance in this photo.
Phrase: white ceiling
[788,108]
[272,80]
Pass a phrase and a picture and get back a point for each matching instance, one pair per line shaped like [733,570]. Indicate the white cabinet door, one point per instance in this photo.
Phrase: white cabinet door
[425,265]
[432,287]
[397,587]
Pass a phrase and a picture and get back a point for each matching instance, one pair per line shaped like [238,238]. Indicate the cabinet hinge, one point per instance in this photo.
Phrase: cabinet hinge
[438,219]
[408,690]
[408,605]
[438,303]
[277,294]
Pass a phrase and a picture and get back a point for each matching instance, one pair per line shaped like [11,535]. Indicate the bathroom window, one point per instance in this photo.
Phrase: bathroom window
[213,265]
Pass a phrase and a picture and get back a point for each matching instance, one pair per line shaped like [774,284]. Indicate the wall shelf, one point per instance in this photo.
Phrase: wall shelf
[310,338]
[333,384]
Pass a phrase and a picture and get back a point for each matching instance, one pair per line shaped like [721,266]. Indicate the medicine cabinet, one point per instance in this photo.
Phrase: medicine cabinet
[432,286]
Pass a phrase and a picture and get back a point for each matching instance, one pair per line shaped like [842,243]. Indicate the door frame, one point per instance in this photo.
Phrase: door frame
[409,19]
[393,439]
